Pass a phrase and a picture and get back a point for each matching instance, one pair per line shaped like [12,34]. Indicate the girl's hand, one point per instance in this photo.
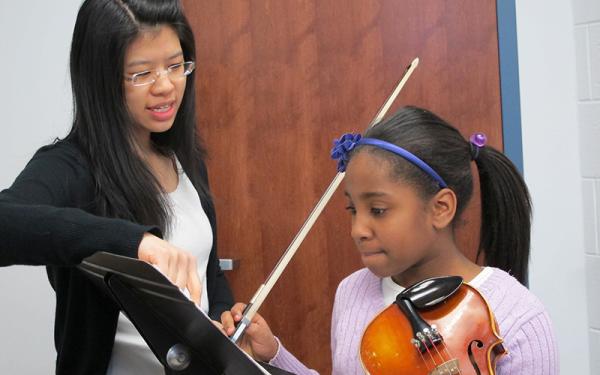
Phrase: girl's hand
[179,266]
[219,326]
[258,340]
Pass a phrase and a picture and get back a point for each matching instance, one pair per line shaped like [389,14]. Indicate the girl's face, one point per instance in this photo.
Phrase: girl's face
[391,224]
[153,107]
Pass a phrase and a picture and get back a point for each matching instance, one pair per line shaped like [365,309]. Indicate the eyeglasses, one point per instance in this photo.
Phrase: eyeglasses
[174,72]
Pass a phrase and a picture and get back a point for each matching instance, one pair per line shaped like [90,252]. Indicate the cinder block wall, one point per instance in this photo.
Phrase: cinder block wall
[587,48]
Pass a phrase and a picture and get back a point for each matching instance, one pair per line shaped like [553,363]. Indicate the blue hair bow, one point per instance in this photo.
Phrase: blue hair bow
[348,142]
[342,147]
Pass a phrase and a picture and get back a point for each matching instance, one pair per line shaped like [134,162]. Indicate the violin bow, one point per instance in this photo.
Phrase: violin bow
[264,290]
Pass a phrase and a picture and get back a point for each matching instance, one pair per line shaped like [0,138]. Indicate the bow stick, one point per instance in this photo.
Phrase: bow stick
[263,291]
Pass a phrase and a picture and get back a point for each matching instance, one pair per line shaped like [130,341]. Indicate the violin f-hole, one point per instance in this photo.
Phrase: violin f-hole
[472,359]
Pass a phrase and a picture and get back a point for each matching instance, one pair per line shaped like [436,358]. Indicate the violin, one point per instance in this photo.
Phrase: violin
[439,326]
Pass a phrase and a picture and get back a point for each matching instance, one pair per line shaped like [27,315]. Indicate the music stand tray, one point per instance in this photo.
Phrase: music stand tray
[182,337]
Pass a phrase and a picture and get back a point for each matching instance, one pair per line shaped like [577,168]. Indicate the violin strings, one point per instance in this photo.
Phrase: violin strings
[450,355]
[444,361]
[428,352]
[436,349]
[424,361]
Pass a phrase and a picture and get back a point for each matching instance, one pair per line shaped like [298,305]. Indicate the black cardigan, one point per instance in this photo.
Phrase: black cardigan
[47,218]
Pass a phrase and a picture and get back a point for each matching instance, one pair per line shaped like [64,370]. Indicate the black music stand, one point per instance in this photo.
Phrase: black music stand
[182,338]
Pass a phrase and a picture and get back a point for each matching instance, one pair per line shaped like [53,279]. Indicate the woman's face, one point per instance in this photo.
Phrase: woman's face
[153,107]
[391,224]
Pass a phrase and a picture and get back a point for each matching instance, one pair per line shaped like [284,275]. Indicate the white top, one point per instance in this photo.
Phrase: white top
[191,231]
[390,289]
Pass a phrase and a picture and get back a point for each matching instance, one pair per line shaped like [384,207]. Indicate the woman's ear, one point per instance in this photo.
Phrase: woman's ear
[443,208]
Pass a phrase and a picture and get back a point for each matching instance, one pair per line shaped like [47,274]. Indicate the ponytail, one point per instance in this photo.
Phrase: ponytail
[505,214]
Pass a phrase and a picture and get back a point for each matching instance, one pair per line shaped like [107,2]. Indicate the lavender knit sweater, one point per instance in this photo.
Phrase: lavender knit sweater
[524,325]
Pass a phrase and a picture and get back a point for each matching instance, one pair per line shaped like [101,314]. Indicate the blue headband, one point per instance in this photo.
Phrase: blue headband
[348,142]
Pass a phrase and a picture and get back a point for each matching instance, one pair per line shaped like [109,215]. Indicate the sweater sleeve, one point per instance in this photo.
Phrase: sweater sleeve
[532,349]
[43,219]
[525,326]
[286,361]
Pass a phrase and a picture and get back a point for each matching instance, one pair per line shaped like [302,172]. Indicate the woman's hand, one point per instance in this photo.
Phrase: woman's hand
[179,266]
[257,340]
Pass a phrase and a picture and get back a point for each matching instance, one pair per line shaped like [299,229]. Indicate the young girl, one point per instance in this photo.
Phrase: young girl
[129,171]
[406,182]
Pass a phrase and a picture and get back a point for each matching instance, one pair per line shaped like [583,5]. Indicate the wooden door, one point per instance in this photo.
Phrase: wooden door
[277,82]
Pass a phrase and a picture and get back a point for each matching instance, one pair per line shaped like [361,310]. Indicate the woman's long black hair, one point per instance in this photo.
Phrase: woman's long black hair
[102,126]
[505,200]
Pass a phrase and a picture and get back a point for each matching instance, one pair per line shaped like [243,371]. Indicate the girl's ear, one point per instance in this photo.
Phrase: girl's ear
[443,206]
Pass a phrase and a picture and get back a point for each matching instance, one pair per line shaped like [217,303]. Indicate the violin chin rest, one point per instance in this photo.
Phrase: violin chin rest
[429,292]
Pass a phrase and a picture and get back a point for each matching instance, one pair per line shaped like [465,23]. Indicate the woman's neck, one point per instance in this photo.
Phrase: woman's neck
[162,166]
[142,143]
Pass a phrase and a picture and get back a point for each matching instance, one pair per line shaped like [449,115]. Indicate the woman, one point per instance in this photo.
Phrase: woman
[130,170]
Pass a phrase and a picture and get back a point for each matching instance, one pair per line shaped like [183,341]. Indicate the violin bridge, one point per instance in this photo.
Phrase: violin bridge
[446,368]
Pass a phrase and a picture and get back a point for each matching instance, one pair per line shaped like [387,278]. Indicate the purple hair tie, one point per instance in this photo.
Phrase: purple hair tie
[348,142]
[477,141]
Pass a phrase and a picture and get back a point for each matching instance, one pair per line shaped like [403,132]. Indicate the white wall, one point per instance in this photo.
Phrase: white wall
[553,159]
[35,103]
[587,49]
